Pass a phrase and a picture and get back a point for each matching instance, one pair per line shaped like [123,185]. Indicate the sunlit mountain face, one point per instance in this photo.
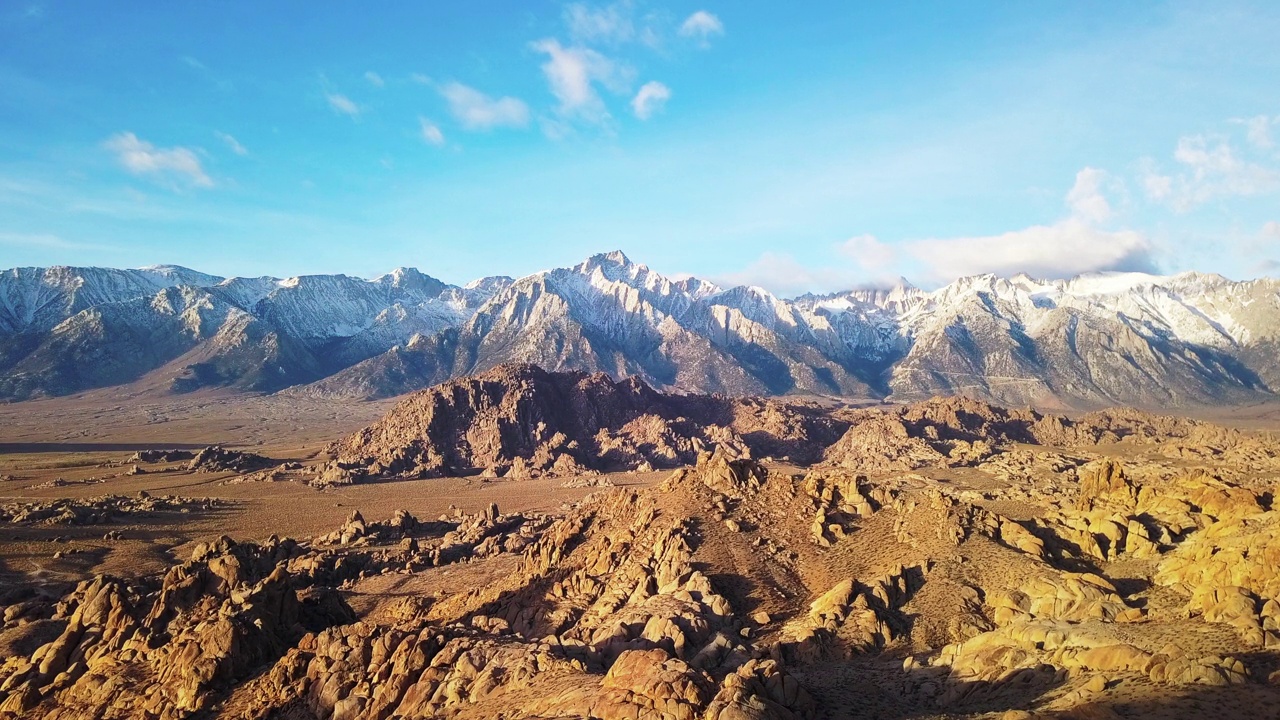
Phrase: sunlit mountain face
[1095,339]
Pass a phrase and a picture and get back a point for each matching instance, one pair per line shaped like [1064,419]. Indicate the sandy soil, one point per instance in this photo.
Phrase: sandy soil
[85,442]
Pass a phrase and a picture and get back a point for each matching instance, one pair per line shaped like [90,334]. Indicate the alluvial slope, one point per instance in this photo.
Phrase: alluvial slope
[1094,340]
[113,343]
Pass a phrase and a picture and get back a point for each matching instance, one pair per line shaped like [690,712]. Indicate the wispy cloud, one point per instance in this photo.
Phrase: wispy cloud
[1086,199]
[232,144]
[1258,130]
[611,23]
[431,132]
[374,79]
[572,72]
[203,71]
[1079,243]
[701,26]
[477,111]
[784,276]
[47,241]
[1209,168]
[651,98]
[1267,245]
[175,164]
[343,104]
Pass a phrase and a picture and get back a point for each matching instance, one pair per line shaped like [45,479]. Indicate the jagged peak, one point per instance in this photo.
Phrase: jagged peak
[752,291]
[610,263]
[412,279]
[617,257]
[489,282]
[400,274]
[697,287]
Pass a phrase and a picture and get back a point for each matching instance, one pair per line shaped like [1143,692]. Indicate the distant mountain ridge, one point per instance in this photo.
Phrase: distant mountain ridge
[1099,339]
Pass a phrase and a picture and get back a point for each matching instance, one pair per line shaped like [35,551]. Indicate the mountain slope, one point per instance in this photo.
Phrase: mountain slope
[66,329]
[1097,339]
[609,314]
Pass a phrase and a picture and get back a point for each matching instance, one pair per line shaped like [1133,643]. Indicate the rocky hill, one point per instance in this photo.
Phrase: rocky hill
[522,421]
[1095,340]
[946,559]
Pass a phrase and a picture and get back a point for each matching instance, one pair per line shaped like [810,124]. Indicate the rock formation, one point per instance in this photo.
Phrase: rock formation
[522,421]
[945,559]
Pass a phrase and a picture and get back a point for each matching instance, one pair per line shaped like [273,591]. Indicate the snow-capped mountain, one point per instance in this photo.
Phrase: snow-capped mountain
[65,329]
[1095,339]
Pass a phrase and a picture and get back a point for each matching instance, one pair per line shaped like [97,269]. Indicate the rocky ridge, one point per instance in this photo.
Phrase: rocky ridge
[1095,340]
[520,421]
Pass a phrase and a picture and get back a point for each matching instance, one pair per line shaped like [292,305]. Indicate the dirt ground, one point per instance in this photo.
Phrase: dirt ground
[85,443]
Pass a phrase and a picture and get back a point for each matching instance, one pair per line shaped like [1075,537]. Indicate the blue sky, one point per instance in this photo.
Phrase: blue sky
[801,148]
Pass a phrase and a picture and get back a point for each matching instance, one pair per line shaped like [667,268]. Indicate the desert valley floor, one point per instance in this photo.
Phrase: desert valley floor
[790,560]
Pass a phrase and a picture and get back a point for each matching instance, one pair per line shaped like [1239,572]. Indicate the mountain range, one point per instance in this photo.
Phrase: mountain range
[1096,339]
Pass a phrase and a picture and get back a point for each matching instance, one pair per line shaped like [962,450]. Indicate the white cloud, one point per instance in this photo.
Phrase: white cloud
[782,275]
[1268,246]
[1210,169]
[604,24]
[651,98]
[232,144]
[167,164]
[342,103]
[701,25]
[1258,130]
[868,252]
[1071,246]
[571,73]
[1158,186]
[477,111]
[431,132]
[374,79]
[1085,199]
[1063,249]
[420,78]
[1076,244]
[869,263]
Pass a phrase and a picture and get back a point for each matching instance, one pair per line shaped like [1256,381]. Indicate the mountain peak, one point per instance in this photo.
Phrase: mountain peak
[411,279]
[616,259]
[613,265]
[489,282]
